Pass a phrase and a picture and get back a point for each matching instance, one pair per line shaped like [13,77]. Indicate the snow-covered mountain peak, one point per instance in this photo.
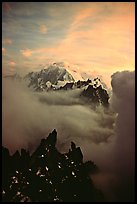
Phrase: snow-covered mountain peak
[53,73]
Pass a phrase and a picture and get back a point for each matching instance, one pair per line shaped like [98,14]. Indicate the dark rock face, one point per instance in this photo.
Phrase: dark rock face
[52,74]
[47,80]
[67,86]
[80,84]
[47,175]
[74,85]
[96,95]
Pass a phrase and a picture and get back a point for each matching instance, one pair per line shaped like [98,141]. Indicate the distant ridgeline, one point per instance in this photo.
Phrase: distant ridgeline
[92,91]
[47,175]
[55,79]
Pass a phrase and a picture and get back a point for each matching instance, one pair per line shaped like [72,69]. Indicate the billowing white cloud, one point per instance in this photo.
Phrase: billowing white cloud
[117,177]
[123,103]
[69,115]
[105,138]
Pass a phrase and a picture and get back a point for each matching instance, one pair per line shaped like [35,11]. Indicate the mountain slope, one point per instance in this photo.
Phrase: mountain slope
[53,74]
[56,77]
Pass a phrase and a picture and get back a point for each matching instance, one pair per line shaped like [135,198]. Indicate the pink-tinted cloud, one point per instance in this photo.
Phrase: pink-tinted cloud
[4,50]
[7,41]
[99,36]
[12,63]
[80,17]
[26,52]
[43,29]
[108,43]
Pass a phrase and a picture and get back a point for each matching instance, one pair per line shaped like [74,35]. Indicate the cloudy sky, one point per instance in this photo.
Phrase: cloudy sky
[99,37]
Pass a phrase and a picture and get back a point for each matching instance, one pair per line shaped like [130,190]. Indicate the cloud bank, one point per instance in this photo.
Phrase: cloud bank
[117,177]
[29,116]
[123,102]
[105,136]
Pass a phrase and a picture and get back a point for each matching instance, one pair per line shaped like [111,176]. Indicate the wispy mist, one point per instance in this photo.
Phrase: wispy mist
[105,136]
[29,116]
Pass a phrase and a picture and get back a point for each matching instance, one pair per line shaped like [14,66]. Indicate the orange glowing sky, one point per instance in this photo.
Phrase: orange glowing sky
[99,37]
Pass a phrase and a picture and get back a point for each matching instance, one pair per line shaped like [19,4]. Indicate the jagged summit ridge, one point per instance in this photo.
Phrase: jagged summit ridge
[53,74]
[47,175]
[55,77]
